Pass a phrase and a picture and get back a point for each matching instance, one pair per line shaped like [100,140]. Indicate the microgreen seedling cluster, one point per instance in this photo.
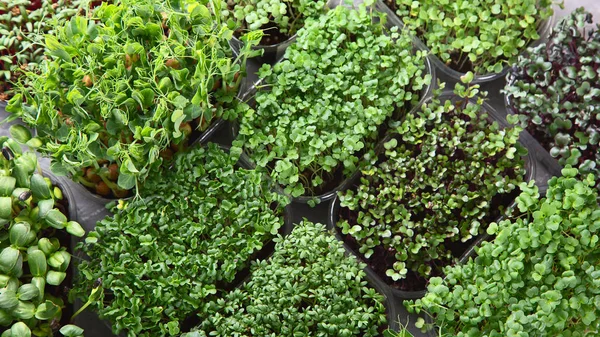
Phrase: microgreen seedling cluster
[308,287]
[21,23]
[162,256]
[554,91]
[34,243]
[328,102]
[128,87]
[441,179]
[279,19]
[538,277]
[474,35]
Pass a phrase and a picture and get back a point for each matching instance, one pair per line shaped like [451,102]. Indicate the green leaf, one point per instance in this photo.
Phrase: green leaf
[57,49]
[5,318]
[20,133]
[71,330]
[21,234]
[569,172]
[13,146]
[20,329]
[492,228]
[128,164]
[74,228]
[40,283]
[391,144]
[34,143]
[27,292]
[55,278]
[180,103]
[22,173]
[59,260]
[45,206]
[11,261]
[56,219]
[37,263]
[48,246]
[420,323]
[126,181]
[202,11]
[59,168]
[39,187]
[75,97]
[173,327]
[7,185]
[46,311]
[8,299]
[467,78]
[496,9]
[24,310]
[5,208]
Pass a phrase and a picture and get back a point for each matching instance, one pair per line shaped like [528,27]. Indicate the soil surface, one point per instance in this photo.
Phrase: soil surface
[4,88]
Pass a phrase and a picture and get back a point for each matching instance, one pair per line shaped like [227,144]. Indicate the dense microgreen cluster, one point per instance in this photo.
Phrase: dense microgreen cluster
[308,287]
[34,236]
[21,23]
[539,277]
[555,92]
[128,86]
[280,19]
[475,35]
[195,227]
[441,178]
[326,103]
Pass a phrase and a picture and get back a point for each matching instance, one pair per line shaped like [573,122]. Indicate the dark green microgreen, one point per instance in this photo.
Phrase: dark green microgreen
[441,178]
[308,287]
[161,257]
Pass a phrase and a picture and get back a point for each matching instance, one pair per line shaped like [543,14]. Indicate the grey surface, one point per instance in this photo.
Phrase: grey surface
[90,209]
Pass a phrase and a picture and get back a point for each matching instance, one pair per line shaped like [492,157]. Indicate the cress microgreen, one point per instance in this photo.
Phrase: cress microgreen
[328,101]
[441,179]
[554,90]
[475,35]
[34,237]
[308,287]
[194,228]
[538,277]
[128,86]
[279,19]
